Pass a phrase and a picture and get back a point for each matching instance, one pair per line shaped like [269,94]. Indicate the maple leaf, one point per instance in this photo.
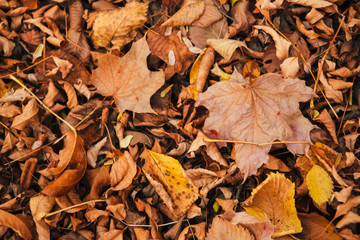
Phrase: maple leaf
[118,26]
[259,112]
[128,79]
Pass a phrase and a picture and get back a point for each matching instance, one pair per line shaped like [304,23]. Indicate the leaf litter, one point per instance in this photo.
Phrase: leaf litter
[179,119]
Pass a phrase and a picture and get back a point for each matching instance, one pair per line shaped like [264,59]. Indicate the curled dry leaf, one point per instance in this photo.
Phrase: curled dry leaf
[123,171]
[350,217]
[16,224]
[274,199]
[282,45]
[225,47]
[188,13]
[119,26]
[128,79]
[169,180]
[29,116]
[41,205]
[72,157]
[259,112]
[210,15]
[222,229]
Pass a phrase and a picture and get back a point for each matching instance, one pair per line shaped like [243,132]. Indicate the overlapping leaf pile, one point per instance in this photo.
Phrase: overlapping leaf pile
[207,119]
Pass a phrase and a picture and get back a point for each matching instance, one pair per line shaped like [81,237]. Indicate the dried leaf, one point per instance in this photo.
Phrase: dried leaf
[315,226]
[282,45]
[168,178]
[119,26]
[290,67]
[350,217]
[123,172]
[40,205]
[319,184]
[223,229]
[72,157]
[274,199]
[28,117]
[16,224]
[187,14]
[225,47]
[128,79]
[254,120]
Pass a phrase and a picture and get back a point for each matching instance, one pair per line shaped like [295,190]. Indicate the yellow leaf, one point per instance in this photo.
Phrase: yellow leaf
[193,75]
[252,69]
[118,26]
[319,184]
[274,199]
[167,177]
[220,73]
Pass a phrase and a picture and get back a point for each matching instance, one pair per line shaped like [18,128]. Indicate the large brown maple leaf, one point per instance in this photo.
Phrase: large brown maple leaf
[128,79]
[259,112]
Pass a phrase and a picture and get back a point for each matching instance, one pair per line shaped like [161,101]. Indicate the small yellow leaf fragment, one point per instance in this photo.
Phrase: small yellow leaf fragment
[38,52]
[274,199]
[168,178]
[319,184]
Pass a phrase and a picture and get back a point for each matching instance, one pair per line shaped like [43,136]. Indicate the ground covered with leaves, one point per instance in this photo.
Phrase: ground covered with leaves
[194,119]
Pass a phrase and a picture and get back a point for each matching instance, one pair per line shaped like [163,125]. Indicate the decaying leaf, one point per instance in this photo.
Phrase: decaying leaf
[27,117]
[187,14]
[128,79]
[223,229]
[260,112]
[319,184]
[119,26]
[316,226]
[71,168]
[16,224]
[40,205]
[167,177]
[274,199]
[122,172]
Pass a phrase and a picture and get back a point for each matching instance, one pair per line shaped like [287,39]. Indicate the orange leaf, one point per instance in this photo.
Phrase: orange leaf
[187,14]
[73,157]
[222,229]
[16,224]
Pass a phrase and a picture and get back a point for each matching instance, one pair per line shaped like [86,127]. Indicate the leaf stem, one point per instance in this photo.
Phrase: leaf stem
[255,144]
[74,206]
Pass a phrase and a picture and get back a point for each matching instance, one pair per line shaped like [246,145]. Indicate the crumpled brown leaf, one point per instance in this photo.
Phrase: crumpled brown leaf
[128,79]
[16,224]
[223,229]
[259,112]
[188,13]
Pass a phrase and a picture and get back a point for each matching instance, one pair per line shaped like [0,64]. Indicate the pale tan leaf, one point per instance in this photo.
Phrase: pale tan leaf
[290,67]
[239,110]
[261,229]
[313,3]
[210,15]
[225,47]
[27,117]
[128,79]
[343,195]
[119,26]
[326,119]
[222,229]
[350,217]
[346,207]
[282,45]
[40,205]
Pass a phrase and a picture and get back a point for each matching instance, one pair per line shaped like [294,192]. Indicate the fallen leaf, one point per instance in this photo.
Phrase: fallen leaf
[274,199]
[290,67]
[188,13]
[122,171]
[317,227]
[41,205]
[225,47]
[326,119]
[222,229]
[72,157]
[346,207]
[210,15]
[282,45]
[28,171]
[261,229]
[319,184]
[254,120]
[27,117]
[128,79]
[350,217]
[119,26]
[167,177]
[16,224]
